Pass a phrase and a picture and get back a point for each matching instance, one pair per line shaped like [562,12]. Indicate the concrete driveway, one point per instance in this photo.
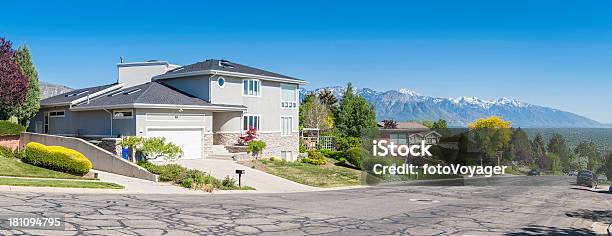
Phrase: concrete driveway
[262,181]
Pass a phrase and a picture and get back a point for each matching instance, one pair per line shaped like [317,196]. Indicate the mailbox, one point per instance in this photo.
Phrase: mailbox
[240,173]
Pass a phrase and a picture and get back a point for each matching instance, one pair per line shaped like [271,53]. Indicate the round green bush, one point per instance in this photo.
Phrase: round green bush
[315,158]
[56,158]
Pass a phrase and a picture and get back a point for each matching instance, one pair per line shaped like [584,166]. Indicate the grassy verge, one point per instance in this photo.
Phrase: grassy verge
[10,166]
[58,183]
[326,176]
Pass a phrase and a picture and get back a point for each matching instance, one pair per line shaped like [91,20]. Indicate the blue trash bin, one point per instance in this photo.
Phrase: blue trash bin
[125,153]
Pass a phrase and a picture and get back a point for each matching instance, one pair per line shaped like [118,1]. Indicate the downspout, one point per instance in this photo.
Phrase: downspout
[111,122]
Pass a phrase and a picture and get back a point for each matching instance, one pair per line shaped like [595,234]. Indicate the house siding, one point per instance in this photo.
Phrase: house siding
[84,123]
[197,86]
[268,105]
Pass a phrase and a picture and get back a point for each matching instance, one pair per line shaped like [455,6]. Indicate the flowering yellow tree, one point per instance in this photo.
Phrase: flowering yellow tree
[492,134]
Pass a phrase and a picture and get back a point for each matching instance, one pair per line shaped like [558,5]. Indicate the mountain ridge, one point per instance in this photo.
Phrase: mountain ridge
[405,104]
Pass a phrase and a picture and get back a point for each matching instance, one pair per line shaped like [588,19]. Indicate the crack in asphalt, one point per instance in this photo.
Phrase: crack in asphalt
[456,210]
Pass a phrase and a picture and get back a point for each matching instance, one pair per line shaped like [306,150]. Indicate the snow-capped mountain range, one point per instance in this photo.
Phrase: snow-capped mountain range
[405,104]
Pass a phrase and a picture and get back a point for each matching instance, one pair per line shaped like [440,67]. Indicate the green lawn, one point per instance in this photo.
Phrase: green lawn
[10,166]
[58,183]
[325,176]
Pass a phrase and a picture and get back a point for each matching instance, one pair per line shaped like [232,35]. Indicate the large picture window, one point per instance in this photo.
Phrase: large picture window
[251,87]
[288,96]
[251,121]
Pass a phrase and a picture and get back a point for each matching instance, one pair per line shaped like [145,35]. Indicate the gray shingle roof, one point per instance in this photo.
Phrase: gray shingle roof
[149,93]
[66,98]
[223,65]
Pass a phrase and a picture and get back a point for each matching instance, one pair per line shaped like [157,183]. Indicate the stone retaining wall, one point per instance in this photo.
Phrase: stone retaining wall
[11,141]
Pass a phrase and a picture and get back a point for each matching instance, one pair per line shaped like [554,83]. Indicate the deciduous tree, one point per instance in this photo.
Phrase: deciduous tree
[441,127]
[588,150]
[13,83]
[316,115]
[32,101]
[491,134]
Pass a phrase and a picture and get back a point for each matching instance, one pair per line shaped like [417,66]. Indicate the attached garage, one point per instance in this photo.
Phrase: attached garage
[189,139]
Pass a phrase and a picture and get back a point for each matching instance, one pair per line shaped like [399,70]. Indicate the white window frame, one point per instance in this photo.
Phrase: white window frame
[57,116]
[258,87]
[289,104]
[245,116]
[284,157]
[224,82]
[290,128]
[123,117]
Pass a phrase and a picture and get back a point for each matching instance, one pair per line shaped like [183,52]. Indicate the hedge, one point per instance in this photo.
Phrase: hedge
[56,158]
[8,128]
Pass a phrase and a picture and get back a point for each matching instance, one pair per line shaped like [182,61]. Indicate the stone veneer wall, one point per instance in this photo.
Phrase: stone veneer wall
[275,143]
[227,139]
[207,140]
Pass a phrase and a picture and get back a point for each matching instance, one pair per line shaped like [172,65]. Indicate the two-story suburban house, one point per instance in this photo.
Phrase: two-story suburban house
[196,106]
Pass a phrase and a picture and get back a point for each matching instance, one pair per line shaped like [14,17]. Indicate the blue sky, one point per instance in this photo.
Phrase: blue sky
[552,53]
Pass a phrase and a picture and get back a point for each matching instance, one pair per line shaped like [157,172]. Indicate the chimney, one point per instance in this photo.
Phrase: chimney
[136,73]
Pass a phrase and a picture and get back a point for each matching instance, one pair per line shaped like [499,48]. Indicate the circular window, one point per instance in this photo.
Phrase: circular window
[221,82]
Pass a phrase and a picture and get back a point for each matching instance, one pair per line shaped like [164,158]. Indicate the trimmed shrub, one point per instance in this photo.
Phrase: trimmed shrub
[8,128]
[56,158]
[354,156]
[315,158]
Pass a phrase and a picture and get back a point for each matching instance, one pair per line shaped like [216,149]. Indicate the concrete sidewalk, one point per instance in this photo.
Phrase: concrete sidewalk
[262,181]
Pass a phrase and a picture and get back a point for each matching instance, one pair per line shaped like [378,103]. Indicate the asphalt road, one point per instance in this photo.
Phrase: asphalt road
[556,208]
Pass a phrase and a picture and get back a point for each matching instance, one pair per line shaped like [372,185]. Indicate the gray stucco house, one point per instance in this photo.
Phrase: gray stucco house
[200,107]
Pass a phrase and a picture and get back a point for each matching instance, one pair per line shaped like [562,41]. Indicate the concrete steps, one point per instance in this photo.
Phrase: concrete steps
[219,152]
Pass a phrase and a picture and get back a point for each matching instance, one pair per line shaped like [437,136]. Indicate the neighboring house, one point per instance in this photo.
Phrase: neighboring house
[409,133]
[208,103]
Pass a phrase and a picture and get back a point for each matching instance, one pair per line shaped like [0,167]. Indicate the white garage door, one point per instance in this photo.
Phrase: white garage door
[190,140]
